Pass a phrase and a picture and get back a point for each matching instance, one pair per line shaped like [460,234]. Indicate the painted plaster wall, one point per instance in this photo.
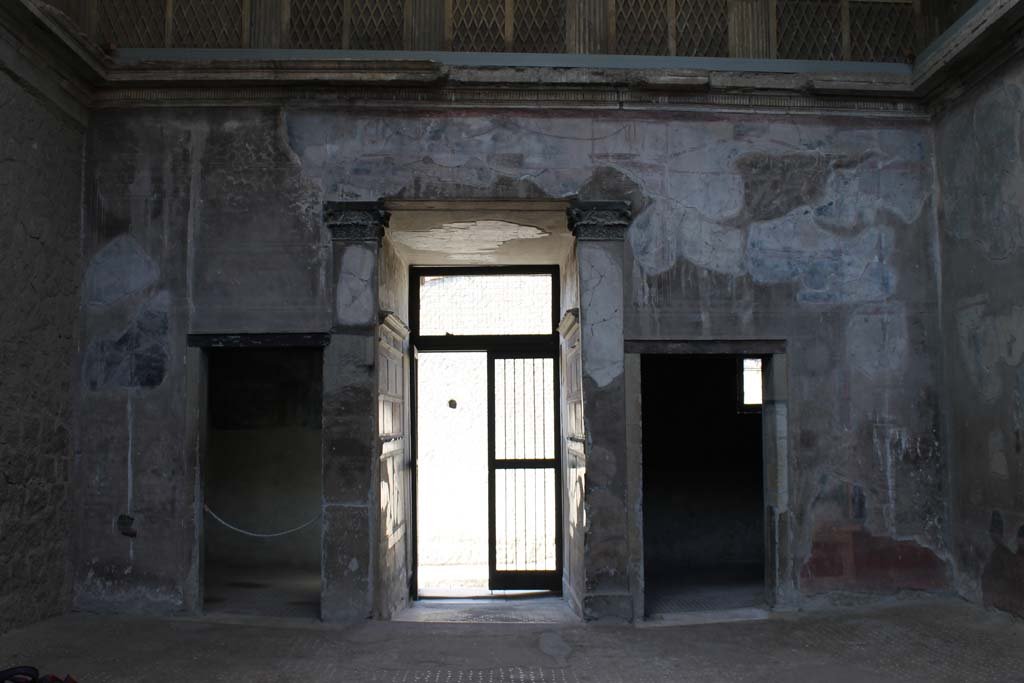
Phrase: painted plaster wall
[41,156]
[816,231]
[980,145]
[194,224]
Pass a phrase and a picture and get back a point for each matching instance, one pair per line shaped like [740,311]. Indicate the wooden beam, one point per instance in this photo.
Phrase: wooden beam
[168,23]
[844,7]
[407,25]
[611,41]
[510,25]
[286,23]
[246,27]
[346,24]
[449,19]
[670,21]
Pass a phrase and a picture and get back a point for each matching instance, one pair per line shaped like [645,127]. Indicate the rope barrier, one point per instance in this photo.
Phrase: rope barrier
[257,535]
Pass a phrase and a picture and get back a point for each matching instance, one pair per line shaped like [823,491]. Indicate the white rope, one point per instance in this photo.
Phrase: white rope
[256,535]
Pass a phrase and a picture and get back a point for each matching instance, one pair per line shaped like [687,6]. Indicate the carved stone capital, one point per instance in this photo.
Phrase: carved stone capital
[603,220]
[356,221]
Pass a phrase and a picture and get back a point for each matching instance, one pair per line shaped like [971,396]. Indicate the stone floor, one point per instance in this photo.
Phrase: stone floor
[270,591]
[513,610]
[933,640]
[663,598]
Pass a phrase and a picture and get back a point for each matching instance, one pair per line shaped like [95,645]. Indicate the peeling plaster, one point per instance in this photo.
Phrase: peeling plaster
[601,287]
[827,268]
[473,241]
[118,270]
[877,340]
[986,340]
[356,303]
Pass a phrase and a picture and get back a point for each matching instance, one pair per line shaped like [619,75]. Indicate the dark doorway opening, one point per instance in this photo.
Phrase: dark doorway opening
[263,477]
[703,483]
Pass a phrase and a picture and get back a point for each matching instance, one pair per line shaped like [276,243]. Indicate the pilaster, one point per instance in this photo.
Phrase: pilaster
[600,228]
[351,446]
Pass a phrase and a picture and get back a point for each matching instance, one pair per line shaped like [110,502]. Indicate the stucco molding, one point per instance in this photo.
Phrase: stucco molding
[599,220]
[510,96]
[569,323]
[391,322]
[356,221]
[245,340]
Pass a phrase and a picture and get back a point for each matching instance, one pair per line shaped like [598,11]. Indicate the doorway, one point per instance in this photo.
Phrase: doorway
[263,482]
[703,483]
[488,509]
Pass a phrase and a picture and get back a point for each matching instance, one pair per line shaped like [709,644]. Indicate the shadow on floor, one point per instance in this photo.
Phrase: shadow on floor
[704,591]
[264,592]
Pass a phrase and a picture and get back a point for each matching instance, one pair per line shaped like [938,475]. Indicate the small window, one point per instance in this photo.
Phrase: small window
[751,382]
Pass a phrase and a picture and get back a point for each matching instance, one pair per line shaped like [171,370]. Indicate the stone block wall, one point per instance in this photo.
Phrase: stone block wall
[40,214]
[980,160]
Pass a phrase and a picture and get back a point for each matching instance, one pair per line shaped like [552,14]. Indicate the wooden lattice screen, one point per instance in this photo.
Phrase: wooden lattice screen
[862,30]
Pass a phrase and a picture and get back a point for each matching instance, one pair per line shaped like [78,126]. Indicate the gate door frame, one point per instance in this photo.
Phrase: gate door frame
[497,347]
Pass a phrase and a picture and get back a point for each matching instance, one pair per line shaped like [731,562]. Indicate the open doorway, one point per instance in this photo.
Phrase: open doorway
[703,483]
[488,456]
[263,482]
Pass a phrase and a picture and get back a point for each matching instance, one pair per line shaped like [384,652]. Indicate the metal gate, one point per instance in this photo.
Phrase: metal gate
[524,474]
[524,445]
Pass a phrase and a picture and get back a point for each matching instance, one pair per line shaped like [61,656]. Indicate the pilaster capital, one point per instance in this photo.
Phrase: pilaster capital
[599,220]
[356,221]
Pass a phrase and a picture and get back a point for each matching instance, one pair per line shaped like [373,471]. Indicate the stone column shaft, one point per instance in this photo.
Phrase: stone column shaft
[600,228]
[350,441]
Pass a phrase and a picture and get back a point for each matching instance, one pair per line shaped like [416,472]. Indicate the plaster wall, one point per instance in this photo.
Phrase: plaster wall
[980,161]
[816,231]
[41,165]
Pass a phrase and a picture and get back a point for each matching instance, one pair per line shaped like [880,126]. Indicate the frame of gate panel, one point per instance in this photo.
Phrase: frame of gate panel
[523,579]
[518,345]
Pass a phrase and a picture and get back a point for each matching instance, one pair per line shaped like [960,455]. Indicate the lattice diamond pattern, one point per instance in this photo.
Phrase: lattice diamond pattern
[881,31]
[478,25]
[539,26]
[810,29]
[640,27]
[702,28]
[316,24]
[202,23]
[130,23]
[377,24]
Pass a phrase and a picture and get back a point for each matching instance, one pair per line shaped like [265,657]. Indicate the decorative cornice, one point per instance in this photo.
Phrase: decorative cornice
[599,220]
[356,221]
[987,35]
[41,40]
[247,340]
[509,96]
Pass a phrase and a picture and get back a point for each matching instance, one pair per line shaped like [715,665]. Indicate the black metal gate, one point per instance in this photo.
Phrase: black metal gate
[524,474]
[524,445]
